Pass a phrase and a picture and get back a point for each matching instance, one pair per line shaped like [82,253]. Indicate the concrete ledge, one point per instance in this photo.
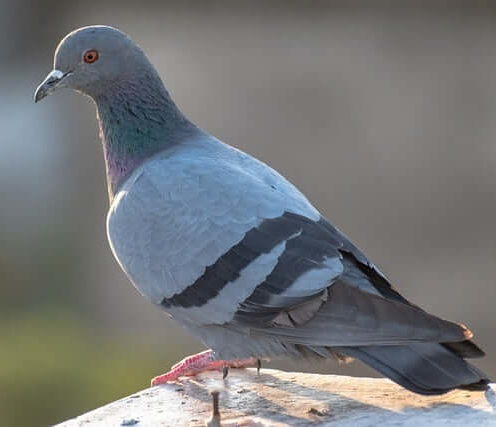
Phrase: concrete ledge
[276,398]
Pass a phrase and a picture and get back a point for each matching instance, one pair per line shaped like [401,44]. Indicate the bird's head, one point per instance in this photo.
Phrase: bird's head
[90,58]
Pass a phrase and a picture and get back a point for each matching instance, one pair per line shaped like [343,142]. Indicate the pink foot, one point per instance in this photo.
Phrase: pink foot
[201,362]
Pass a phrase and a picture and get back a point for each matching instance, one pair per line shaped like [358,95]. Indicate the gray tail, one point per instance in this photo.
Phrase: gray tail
[424,368]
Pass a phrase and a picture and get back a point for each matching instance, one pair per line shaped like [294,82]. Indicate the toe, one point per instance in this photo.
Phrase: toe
[163,379]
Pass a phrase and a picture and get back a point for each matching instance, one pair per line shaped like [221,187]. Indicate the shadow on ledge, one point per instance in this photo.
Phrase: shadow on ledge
[276,398]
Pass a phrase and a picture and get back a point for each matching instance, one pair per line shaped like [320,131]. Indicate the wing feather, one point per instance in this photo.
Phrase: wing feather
[218,238]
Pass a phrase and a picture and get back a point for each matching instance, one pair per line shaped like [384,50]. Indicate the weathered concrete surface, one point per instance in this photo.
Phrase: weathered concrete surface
[276,398]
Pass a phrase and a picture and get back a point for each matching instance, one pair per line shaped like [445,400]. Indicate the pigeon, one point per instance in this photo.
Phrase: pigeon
[232,250]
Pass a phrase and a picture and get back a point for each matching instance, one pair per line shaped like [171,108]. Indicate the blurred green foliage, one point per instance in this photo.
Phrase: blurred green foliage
[52,368]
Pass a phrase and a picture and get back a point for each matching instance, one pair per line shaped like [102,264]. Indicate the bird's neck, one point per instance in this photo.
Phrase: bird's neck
[137,120]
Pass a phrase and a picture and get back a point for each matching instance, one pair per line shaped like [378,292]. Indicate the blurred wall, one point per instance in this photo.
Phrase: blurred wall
[383,116]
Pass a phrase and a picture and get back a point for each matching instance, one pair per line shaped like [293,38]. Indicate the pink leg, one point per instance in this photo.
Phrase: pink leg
[201,362]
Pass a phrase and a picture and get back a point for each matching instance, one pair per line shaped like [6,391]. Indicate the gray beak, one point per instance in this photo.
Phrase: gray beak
[47,86]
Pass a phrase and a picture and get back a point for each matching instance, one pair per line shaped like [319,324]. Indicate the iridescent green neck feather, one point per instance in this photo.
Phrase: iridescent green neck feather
[137,120]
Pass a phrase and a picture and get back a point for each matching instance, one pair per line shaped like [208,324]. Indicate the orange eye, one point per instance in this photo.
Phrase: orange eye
[90,56]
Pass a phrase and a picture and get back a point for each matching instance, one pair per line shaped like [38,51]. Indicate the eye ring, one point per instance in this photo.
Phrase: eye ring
[90,56]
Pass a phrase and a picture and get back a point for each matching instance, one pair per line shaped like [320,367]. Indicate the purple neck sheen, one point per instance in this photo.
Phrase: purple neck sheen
[137,120]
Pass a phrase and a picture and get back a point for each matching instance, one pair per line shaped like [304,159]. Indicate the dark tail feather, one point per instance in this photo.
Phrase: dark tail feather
[465,349]
[424,368]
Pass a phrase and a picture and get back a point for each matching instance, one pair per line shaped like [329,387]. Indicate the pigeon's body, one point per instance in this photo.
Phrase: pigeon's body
[236,254]
[210,195]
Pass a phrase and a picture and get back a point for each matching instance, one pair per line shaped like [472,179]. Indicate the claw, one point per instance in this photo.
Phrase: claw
[225,371]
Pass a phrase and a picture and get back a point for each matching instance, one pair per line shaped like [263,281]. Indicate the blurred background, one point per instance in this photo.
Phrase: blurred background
[384,116]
